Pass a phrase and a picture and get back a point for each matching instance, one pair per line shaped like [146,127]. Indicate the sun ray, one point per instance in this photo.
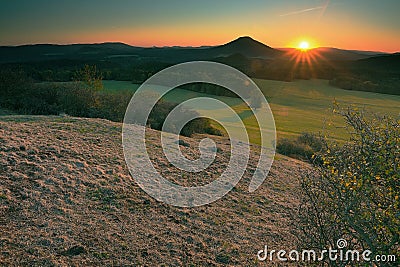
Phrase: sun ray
[304,61]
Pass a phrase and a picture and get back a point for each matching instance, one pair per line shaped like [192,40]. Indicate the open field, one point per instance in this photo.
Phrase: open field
[300,106]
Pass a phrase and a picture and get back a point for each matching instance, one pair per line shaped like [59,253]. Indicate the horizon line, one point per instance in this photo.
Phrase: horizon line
[179,46]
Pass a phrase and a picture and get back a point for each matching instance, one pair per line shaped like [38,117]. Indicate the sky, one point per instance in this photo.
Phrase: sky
[348,24]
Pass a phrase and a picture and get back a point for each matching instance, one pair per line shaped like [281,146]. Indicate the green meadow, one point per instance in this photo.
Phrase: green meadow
[299,106]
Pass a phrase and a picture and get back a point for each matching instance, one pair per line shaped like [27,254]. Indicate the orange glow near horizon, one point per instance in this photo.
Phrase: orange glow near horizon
[182,36]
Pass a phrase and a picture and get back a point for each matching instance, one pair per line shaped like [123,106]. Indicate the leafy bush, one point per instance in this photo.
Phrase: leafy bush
[13,82]
[19,93]
[378,83]
[78,100]
[317,143]
[112,106]
[303,147]
[198,125]
[83,98]
[354,191]
[90,76]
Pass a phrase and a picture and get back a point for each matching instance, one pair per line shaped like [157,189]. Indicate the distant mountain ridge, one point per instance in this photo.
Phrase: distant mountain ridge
[37,52]
[246,46]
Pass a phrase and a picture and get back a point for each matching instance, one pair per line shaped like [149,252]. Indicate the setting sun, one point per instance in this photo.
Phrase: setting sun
[304,45]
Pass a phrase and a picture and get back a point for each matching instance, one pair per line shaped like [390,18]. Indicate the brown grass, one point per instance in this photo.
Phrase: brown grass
[66,198]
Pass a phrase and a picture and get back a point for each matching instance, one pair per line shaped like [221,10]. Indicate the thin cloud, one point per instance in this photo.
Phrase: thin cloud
[323,7]
[301,11]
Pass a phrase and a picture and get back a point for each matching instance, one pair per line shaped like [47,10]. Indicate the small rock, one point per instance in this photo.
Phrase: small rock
[74,251]
[43,225]
[183,143]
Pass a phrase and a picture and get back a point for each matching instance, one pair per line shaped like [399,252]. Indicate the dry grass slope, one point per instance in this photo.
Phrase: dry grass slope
[66,198]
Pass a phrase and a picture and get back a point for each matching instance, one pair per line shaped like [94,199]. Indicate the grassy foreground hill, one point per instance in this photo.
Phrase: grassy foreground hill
[66,198]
